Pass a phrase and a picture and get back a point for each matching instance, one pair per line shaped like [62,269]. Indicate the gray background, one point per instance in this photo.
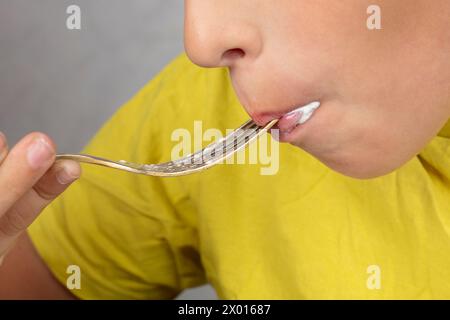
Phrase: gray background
[66,83]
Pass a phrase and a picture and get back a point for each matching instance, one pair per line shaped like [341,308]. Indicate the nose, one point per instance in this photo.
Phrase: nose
[216,35]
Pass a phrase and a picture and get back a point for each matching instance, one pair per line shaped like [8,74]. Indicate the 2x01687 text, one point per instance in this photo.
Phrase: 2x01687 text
[225,309]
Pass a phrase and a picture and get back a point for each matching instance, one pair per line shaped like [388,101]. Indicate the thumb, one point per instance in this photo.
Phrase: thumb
[55,181]
[48,187]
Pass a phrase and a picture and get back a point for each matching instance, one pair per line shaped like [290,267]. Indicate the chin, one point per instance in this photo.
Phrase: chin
[362,173]
[359,167]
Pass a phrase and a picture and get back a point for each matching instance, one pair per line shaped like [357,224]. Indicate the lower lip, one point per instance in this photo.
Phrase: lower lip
[289,136]
[293,134]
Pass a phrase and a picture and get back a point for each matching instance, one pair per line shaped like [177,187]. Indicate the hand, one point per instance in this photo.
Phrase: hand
[29,180]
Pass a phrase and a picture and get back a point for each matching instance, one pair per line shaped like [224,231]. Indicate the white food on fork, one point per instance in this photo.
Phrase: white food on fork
[307,111]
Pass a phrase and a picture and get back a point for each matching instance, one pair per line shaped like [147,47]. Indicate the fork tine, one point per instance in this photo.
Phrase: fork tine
[236,140]
[219,144]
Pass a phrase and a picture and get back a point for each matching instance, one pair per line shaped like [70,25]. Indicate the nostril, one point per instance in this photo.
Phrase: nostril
[233,54]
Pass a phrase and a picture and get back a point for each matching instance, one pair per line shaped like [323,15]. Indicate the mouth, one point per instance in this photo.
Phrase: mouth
[291,120]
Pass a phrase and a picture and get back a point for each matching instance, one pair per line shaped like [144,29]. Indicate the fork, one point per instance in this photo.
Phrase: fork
[194,162]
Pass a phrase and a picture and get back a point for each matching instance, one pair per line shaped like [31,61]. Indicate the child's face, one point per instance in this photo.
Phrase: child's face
[384,93]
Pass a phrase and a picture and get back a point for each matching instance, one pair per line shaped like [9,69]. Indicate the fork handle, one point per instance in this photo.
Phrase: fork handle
[93,160]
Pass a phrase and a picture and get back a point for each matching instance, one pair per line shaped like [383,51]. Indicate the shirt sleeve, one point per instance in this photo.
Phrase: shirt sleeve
[132,236]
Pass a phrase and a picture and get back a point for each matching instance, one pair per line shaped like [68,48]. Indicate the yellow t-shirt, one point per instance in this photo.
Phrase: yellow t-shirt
[305,232]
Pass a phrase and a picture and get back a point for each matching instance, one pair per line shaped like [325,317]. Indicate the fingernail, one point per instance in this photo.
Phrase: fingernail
[2,142]
[39,153]
[66,176]
[3,147]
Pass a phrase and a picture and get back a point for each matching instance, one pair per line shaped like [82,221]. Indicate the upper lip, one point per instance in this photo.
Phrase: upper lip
[260,106]
[262,118]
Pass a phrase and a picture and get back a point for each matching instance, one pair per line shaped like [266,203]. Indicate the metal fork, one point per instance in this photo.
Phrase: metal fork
[198,161]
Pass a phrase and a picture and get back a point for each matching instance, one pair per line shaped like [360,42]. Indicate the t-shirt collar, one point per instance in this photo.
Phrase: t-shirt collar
[445,131]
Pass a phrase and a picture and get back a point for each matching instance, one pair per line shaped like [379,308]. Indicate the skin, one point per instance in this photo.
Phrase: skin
[384,95]
[29,180]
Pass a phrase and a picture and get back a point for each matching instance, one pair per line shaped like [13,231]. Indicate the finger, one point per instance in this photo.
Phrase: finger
[50,186]
[56,180]
[3,147]
[24,165]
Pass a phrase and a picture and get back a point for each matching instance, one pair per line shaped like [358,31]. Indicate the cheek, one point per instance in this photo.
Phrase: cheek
[355,141]
[375,86]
